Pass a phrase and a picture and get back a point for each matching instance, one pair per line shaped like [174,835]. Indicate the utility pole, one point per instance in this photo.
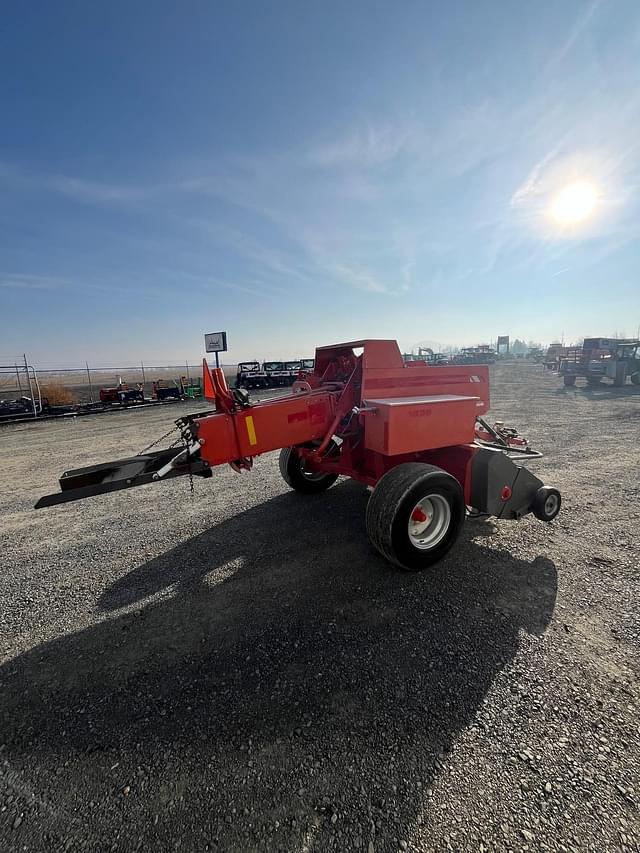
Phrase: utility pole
[89,378]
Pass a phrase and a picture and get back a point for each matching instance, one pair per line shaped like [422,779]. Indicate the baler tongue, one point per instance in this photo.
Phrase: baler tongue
[125,474]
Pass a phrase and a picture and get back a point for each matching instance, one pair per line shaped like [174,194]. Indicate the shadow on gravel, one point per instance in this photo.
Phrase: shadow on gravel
[601,393]
[289,672]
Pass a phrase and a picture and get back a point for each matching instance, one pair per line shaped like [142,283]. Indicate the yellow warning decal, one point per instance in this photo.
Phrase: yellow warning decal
[251,430]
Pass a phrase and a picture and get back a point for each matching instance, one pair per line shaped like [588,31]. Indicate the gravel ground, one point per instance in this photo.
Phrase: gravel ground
[237,670]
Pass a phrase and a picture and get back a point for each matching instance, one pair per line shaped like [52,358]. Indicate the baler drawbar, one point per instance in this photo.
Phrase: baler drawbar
[412,432]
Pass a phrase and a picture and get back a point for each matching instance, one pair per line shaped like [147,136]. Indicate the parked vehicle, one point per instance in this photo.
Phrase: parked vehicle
[602,358]
[427,356]
[165,390]
[553,356]
[475,355]
[122,393]
[271,374]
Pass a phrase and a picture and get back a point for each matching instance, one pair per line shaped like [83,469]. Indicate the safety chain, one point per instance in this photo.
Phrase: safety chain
[186,445]
[162,438]
[180,439]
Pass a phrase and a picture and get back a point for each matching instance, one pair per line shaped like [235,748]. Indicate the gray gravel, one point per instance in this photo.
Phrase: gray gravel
[238,670]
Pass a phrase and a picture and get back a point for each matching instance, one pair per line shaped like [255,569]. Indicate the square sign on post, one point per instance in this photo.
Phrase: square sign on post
[216,342]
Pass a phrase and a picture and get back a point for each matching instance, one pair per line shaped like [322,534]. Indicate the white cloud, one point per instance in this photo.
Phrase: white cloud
[356,278]
[86,191]
[23,281]
[93,192]
[576,32]
[363,147]
[531,186]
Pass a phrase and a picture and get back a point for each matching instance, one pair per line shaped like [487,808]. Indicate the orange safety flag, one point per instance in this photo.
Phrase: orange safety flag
[208,386]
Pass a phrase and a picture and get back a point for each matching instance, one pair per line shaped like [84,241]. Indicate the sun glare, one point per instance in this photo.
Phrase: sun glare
[574,203]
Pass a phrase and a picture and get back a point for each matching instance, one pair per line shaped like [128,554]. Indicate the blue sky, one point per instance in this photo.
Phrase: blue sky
[302,173]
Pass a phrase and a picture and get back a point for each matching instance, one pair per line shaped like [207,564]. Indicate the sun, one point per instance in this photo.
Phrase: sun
[574,203]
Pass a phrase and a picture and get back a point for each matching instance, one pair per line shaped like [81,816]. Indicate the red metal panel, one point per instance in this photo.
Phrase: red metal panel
[404,381]
[375,354]
[265,426]
[220,444]
[457,461]
[414,424]
[284,422]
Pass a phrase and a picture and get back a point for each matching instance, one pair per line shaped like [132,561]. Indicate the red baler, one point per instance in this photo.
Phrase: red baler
[411,431]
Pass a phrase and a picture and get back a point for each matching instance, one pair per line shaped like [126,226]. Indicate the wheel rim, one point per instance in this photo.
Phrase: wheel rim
[429,522]
[551,505]
[312,476]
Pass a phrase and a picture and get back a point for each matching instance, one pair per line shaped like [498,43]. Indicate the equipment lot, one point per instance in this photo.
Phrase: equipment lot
[239,670]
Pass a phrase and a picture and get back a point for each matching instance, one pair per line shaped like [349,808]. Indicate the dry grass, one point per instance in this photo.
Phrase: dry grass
[57,394]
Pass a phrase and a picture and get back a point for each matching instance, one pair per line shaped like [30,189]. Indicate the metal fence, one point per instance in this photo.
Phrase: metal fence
[21,380]
[85,382]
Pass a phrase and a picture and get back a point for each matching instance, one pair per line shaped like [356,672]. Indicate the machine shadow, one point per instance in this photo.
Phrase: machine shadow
[293,672]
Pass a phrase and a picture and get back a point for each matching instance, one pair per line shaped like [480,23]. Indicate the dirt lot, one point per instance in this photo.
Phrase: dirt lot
[238,670]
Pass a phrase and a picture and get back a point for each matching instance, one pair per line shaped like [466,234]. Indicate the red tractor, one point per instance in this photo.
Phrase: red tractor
[122,393]
[412,432]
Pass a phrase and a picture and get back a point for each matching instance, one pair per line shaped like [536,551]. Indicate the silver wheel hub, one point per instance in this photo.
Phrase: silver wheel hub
[429,522]
[551,505]
[310,475]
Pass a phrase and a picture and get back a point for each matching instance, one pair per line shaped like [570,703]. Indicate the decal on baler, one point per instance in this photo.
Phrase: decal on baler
[251,430]
[318,413]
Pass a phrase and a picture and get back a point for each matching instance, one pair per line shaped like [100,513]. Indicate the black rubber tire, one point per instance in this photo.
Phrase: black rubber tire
[294,476]
[539,508]
[391,503]
[635,378]
[569,380]
[594,381]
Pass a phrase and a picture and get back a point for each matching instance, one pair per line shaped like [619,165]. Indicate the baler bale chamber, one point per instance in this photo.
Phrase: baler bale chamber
[412,432]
